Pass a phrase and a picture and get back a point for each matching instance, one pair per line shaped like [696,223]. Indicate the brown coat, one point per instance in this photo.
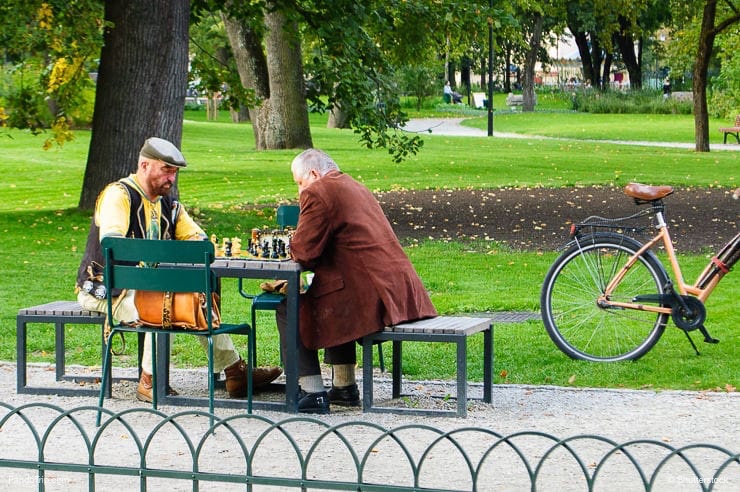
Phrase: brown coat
[363,279]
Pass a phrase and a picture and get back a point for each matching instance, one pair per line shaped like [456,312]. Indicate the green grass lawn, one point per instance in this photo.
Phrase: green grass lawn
[230,188]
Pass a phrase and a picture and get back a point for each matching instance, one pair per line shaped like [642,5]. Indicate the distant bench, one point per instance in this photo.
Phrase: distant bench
[514,100]
[449,329]
[732,130]
[686,96]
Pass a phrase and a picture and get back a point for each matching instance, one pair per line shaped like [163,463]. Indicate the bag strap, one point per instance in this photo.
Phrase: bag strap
[167,310]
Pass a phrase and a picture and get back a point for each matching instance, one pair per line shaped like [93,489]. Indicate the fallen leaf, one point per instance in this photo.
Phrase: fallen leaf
[572,379]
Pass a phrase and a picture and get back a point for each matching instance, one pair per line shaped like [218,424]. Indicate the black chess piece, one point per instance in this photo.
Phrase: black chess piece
[274,254]
[266,249]
[227,249]
[281,249]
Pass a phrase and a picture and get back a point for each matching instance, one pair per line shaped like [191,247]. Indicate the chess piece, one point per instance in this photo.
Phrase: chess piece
[254,242]
[236,246]
[227,248]
[274,254]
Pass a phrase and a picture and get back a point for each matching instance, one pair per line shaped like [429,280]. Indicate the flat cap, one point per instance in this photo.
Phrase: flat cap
[163,150]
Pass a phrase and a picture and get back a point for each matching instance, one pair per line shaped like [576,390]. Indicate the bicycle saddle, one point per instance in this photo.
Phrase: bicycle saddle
[646,192]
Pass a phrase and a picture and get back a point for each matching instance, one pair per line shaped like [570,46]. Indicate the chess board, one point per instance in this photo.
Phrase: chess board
[263,244]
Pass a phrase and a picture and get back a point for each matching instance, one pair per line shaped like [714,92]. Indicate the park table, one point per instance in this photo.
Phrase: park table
[247,268]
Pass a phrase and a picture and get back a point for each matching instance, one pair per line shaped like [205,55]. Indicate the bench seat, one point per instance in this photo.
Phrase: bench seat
[445,329]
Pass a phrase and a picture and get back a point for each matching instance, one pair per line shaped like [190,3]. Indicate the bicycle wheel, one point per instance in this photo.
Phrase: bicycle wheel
[574,321]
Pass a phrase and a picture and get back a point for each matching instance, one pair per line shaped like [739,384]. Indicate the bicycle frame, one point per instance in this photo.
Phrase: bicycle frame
[712,274]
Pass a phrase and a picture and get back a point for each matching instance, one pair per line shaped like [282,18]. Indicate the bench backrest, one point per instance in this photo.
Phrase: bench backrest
[287,216]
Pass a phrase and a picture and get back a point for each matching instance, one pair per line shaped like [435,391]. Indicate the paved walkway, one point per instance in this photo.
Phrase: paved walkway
[452,127]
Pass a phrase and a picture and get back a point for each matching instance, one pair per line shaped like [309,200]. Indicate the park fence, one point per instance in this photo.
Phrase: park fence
[44,447]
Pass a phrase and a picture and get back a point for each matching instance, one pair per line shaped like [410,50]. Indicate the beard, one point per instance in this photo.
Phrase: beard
[164,189]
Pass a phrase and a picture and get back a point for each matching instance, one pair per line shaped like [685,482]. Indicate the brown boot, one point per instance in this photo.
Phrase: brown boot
[236,378]
[144,390]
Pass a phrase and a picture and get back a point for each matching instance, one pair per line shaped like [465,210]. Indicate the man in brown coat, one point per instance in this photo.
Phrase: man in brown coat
[363,280]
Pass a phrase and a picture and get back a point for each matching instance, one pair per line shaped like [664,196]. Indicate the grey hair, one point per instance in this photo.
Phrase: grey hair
[313,159]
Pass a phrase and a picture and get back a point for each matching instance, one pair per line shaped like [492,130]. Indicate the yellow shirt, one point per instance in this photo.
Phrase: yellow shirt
[112,213]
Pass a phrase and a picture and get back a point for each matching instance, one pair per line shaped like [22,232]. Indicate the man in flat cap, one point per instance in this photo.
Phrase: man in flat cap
[140,206]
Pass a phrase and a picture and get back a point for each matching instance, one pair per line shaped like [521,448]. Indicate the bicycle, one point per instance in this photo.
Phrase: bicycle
[608,297]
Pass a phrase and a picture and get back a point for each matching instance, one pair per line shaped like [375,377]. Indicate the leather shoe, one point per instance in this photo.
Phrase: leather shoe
[345,396]
[144,390]
[236,378]
[313,402]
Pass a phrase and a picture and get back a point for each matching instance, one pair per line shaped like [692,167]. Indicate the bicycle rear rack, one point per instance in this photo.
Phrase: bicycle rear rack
[632,226]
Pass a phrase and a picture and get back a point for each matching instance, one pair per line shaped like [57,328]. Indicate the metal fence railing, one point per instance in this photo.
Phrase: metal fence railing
[45,447]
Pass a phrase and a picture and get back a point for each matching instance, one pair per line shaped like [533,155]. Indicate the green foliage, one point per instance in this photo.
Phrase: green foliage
[646,101]
[212,65]
[50,47]
[418,81]
[230,188]
[724,96]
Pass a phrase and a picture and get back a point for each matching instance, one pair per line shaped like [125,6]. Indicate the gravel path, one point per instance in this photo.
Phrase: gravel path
[534,417]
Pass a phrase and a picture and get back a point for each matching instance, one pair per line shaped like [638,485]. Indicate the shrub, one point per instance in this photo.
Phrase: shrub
[646,101]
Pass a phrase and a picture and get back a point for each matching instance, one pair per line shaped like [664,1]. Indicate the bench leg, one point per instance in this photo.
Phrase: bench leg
[21,346]
[462,377]
[59,355]
[488,365]
[396,370]
[367,374]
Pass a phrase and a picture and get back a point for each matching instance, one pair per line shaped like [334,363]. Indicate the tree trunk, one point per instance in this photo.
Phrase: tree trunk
[251,63]
[507,69]
[281,121]
[597,59]
[608,57]
[285,126]
[699,83]
[530,59]
[338,118]
[142,80]
[586,64]
[483,73]
[627,48]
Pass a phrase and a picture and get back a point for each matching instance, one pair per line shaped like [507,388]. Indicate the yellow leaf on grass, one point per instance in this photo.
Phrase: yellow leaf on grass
[572,379]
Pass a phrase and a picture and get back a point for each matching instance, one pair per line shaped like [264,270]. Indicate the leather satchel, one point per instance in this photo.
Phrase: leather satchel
[173,310]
